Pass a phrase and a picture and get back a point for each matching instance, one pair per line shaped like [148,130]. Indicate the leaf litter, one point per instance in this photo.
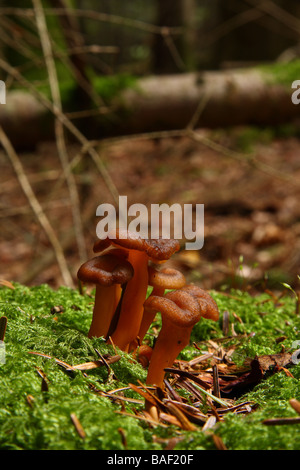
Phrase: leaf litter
[198,393]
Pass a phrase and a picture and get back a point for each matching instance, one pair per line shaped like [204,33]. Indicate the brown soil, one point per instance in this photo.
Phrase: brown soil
[252,211]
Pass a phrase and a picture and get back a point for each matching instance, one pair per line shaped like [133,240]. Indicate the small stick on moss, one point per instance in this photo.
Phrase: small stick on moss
[192,413]
[147,395]
[78,426]
[218,442]
[184,421]
[173,394]
[188,375]
[44,387]
[216,385]
[123,437]
[111,375]
[225,326]
[3,324]
[279,421]
[248,405]
[30,400]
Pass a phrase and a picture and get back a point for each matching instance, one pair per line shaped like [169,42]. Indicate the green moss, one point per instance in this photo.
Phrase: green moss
[282,73]
[249,136]
[108,87]
[46,422]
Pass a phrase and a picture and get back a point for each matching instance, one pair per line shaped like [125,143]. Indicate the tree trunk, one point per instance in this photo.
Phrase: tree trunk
[73,39]
[168,51]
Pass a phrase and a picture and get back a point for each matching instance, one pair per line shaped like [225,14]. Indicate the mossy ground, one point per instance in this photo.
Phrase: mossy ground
[44,421]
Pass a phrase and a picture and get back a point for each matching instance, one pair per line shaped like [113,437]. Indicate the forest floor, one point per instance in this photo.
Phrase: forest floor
[252,241]
[250,194]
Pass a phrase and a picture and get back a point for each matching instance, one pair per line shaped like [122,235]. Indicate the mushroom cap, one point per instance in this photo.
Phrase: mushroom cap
[178,307]
[167,278]
[209,308]
[159,249]
[106,270]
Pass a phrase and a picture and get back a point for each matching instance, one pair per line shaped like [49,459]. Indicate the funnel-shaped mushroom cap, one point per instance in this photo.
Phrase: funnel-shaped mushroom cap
[157,249]
[106,270]
[166,278]
[209,308]
[177,307]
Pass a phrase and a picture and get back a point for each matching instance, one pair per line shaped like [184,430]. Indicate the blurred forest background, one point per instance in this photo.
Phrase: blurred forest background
[182,101]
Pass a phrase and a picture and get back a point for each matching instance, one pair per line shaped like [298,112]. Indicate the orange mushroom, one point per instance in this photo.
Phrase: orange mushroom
[209,307]
[180,311]
[140,251]
[160,280]
[109,272]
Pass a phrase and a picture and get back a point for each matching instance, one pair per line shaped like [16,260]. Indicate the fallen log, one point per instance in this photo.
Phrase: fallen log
[25,120]
[224,98]
[156,103]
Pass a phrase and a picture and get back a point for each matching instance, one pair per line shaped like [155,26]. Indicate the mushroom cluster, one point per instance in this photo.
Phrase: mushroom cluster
[125,266]
[120,272]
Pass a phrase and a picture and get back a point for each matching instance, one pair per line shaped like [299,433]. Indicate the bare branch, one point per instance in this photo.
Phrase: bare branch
[93,15]
[67,123]
[278,13]
[59,129]
[36,207]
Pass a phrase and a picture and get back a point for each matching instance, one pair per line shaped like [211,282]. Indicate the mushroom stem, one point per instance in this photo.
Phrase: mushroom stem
[108,272]
[106,300]
[149,315]
[180,312]
[132,304]
[167,348]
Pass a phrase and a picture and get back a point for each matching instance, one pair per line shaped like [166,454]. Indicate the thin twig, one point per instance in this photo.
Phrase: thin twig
[59,129]
[216,384]
[79,429]
[48,257]
[67,123]
[36,207]
[280,421]
[280,14]
[96,16]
